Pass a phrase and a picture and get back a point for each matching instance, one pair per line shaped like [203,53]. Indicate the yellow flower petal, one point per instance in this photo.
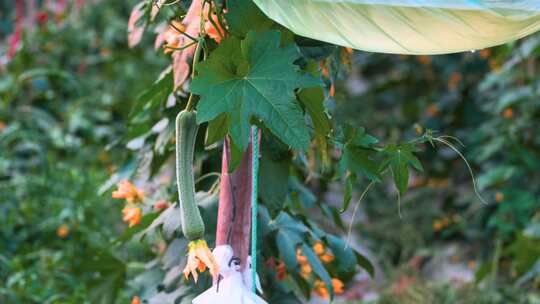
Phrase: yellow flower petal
[199,258]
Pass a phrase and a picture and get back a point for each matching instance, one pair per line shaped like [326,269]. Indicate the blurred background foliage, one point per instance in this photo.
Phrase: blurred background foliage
[66,118]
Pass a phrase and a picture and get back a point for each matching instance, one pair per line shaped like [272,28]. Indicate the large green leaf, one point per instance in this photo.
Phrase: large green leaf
[360,161]
[399,158]
[287,242]
[244,16]
[313,101]
[254,78]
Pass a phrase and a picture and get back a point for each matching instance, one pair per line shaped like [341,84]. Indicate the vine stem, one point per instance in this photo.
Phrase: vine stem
[190,103]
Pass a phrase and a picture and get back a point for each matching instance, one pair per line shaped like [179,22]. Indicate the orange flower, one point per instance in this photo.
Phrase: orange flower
[324,69]
[321,290]
[327,258]
[432,110]
[454,80]
[302,260]
[437,225]
[346,55]
[281,271]
[318,247]
[62,231]
[132,215]
[337,285]
[135,300]
[212,31]
[485,53]
[332,90]
[2,125]
[128,191]
[424,60]
[494,65]
[305,270]
[499,197]
[200,257]
[508,113]
[172,36]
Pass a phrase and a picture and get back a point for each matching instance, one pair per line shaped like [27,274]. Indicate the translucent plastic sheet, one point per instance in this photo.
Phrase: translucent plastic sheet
[408,26]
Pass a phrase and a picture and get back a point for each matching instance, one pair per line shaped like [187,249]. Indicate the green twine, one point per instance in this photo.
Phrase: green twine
[254,184]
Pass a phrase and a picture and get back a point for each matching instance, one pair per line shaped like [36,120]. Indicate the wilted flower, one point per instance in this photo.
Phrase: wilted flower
[200,257]
[172,36]
[132,215]
[212,31]
[128,191]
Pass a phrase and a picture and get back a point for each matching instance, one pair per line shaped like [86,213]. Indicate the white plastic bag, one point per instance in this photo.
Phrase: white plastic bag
[408,26]
[230,287]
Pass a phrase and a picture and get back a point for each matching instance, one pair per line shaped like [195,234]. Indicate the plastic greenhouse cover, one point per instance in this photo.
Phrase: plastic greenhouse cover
[408,26]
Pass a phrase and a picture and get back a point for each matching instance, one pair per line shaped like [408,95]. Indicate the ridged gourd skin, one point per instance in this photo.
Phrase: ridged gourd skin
[186,133]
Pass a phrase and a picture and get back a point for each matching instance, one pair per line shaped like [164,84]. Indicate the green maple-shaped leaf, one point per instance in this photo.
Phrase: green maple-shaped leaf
[254,78]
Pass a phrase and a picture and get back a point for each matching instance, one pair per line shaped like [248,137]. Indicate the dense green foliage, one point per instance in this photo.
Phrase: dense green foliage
[80,111]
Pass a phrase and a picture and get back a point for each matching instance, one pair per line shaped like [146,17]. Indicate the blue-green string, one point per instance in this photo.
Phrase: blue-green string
[254,184]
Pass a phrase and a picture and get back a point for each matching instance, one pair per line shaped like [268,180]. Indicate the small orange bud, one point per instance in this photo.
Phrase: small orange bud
[499,197]
[437,225]
[454,80]
[424,60]
[337,285]
[305,270]
[471,265]
[318,247]
[135,300]
[301,258]
[320,289]
[2,125]
[62,231]
[485,53]
[327,258]
[508,113]
[432,110]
